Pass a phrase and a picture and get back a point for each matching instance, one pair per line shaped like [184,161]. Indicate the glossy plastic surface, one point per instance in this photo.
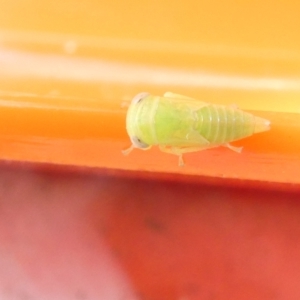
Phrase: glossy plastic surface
[67,69]
[67,108]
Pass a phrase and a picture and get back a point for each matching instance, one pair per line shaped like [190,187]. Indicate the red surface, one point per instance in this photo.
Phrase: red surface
[71,235]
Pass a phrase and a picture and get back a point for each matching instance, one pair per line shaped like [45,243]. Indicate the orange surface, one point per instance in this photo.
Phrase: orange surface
[63,80]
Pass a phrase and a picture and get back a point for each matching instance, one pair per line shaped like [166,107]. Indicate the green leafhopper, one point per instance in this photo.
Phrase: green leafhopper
[179,124]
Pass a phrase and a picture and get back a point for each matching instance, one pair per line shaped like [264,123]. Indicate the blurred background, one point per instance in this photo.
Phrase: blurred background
[80,221]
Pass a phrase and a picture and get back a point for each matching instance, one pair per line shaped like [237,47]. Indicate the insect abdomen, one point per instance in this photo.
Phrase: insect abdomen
[220,124]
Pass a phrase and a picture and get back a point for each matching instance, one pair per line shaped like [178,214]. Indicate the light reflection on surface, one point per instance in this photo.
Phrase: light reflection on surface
[27,64]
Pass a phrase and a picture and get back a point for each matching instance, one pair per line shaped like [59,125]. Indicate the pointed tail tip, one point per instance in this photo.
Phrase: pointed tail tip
[261,125]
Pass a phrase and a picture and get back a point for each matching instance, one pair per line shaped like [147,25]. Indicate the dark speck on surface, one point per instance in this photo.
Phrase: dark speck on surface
[155,225]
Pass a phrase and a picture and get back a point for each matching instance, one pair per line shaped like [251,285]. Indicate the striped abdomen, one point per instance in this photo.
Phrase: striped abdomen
[220,124]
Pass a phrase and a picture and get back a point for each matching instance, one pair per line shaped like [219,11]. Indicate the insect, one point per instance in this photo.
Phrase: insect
[179,124]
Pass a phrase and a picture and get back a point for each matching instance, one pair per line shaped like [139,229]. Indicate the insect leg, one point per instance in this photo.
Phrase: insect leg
[233,148]
[174,151]
[128,150]
[180,151]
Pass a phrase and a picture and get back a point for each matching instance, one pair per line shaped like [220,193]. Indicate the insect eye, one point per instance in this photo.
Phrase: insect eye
[138,143]
[139,97]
